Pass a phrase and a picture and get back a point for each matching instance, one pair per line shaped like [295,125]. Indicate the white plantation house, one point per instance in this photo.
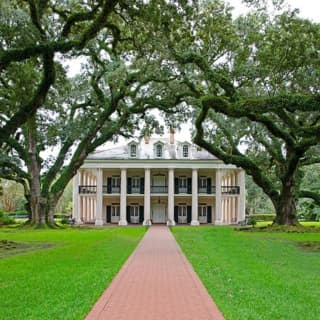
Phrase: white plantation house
[158,180]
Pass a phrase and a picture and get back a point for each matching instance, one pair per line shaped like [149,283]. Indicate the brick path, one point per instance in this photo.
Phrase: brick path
[156,282]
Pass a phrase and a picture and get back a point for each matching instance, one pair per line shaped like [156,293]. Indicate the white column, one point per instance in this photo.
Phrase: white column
[194,210]
[76,198]
[147,221]
[123,198]
[99,198]
[218,198]
[242,196]
[171,221]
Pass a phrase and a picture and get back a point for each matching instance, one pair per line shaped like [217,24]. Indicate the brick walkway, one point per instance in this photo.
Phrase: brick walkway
[156,282]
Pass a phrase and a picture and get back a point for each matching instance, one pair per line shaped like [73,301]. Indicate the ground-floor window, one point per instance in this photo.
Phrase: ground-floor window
[182,214]
[115,213]
[202,213]
[134,214]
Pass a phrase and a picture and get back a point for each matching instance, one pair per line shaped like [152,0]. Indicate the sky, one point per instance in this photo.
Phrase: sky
[308,8]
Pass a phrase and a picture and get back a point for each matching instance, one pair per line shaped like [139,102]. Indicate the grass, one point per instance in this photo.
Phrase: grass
[64,276]
[255,276]
[304,223]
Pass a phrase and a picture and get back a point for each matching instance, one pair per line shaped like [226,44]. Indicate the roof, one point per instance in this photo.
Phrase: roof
[147,150]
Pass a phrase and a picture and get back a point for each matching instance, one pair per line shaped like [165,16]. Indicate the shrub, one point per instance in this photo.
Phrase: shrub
[263,216]
[252,220]
[5,219]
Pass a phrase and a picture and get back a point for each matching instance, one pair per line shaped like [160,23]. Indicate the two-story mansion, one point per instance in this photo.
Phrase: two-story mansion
[158,180]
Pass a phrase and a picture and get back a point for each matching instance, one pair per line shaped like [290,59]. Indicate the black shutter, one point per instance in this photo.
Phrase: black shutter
[129,185]
[209,214]
[128,214]
[141,214]
[209,185]
[142,185]
[108,214]
[109,180]
[189,214]
[189,185]
[176,185]
[176,209]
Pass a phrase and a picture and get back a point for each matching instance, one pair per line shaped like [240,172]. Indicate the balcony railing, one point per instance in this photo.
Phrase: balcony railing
[230,189]
[135,189]
[207,190]
[182,190]
[87,189]
[110,189]
[159,189]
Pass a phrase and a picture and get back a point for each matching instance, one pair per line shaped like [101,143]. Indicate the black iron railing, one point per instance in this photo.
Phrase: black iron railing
[230,189]
[110,189]
[87,189]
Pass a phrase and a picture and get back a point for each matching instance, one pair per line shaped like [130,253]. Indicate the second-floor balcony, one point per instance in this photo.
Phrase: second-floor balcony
[111,189]
[87,189]
[230,189]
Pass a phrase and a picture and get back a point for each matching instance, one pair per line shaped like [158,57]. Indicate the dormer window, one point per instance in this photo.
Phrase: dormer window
[133,151]
[159,151]
[185,151]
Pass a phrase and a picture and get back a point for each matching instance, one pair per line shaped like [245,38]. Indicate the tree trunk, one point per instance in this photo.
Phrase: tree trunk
[286,211]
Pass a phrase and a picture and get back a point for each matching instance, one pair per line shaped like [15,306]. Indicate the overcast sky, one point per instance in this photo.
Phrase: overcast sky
[308,8]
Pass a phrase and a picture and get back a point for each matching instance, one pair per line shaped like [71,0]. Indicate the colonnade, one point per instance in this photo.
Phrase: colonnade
[229,208]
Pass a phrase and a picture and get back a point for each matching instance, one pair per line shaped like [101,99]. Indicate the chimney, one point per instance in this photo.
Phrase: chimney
[172,132]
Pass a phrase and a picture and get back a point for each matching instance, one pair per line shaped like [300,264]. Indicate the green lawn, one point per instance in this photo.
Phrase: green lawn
[255,275]
[304,223]
[65,280]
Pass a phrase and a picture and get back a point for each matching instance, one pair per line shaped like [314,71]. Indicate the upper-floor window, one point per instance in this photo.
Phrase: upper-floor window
[159,151]
[185,151]
[133,151]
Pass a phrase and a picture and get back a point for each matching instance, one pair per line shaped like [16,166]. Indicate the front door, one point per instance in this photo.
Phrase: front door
[159,214]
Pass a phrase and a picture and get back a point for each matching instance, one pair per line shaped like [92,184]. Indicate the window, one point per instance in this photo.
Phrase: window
[159,151]
[135,185]
[133,151]
[115,181]
[182,182]
[115,184]
[182,210]
[203,185]
[135,182]
[115,210]
[185,151]
[134,211]
[202,211]
[183,185]
[202,182]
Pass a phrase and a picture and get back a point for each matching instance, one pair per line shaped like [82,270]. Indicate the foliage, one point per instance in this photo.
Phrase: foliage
[12,198]
[5,219]
[111,97]
[257,201]
[263,216]
[252,275]
[253,85]
[82,264]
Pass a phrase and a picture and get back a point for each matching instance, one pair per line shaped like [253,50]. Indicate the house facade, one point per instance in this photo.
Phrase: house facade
[158,180]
